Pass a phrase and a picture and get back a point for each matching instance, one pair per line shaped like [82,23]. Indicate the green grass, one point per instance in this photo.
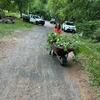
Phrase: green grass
[8,29]
[90,59]
[89,50]
[91,53]
[89,56]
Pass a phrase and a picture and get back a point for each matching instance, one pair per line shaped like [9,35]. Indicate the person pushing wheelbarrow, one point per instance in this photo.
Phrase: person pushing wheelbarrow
[63,56]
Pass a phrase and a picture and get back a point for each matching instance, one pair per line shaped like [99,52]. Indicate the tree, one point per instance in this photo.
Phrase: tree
[57,8]
[6,4]
[39,7]
[21,4]
[77,10]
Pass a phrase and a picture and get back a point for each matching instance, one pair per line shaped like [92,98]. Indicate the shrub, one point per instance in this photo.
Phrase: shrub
[64,41]
[96,35]
[88,28]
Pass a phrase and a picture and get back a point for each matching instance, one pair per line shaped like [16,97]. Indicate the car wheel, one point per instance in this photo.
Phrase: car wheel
[6,22]
[43,24]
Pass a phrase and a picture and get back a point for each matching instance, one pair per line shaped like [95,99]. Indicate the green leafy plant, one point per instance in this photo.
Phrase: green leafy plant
[64,41]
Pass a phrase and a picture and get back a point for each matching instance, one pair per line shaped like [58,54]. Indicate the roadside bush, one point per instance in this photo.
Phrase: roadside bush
[88,28]
[96,35]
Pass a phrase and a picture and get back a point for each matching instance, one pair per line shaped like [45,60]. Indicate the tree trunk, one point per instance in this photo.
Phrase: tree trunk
[20,9]
[20,13]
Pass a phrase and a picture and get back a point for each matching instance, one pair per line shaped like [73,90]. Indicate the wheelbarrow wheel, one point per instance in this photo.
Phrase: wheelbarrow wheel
[52,53]
[63,61]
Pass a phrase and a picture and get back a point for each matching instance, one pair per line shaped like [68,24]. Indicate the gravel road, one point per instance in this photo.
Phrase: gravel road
[27,72]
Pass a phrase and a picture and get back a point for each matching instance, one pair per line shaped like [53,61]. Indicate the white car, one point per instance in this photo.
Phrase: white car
[33,19]
[53,21]
[68,27]
[36,19]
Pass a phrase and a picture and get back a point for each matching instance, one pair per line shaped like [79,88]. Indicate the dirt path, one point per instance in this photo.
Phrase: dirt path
[27,72]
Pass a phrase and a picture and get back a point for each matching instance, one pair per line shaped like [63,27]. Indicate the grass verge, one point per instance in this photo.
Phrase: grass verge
[88,54]
[8,29]
[90,59]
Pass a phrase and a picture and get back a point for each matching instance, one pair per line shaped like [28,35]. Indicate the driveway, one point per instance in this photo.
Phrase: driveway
[28,72]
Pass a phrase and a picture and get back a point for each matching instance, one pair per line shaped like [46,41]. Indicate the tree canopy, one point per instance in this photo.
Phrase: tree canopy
[77,10]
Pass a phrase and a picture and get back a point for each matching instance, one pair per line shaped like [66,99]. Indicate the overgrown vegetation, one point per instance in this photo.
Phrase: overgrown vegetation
[64,41]
[89,29]
[76,10]
[90,55]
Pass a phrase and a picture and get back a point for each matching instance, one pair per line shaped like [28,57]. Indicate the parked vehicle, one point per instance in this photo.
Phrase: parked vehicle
[26,18]
[53,21]
[34,19]
[8,20]
[68,26]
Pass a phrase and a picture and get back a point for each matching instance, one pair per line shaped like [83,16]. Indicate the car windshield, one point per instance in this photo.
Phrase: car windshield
[36,16]
[69,23]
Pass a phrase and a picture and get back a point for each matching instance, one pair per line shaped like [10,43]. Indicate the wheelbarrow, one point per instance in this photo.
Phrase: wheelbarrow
[60,53]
